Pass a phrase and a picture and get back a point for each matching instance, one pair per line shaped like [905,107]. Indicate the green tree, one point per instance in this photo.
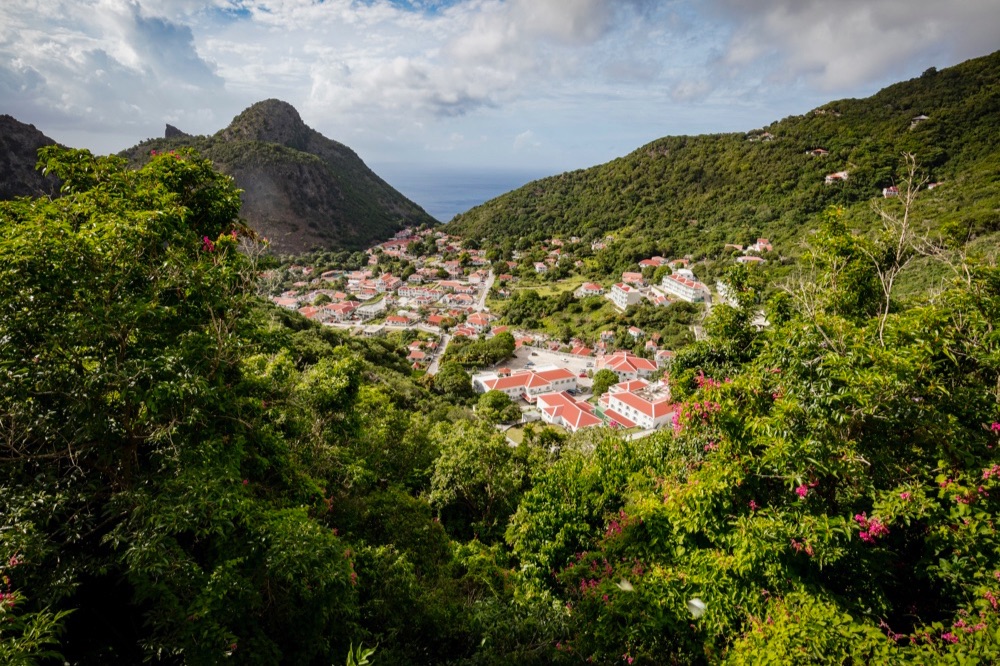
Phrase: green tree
[497,407]
[603,380]
[453,381]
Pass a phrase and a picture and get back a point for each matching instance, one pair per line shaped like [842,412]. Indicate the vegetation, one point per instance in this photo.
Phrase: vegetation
[191,475]
[692,195]
[304,192]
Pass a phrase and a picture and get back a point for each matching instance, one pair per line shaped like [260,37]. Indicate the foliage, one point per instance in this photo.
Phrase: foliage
[691,195]
[496,407]
[603,380]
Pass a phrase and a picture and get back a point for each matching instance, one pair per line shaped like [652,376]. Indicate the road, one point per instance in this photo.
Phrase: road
[433,367]
[481,303]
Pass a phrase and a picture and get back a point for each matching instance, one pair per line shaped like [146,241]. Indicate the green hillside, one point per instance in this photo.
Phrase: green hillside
[693,194]
[301,190]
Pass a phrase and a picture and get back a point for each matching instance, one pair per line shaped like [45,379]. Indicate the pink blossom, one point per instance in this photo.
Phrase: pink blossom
[905,496]
[754,506]
[949,637]
[995,427]
[207,244]
[802,490]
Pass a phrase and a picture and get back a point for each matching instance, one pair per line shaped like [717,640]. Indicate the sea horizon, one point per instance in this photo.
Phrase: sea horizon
[446,191]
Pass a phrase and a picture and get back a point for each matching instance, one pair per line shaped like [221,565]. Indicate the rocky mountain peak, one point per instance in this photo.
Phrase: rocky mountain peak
[271,121]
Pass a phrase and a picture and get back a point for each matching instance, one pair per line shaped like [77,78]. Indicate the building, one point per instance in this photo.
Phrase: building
[527,384]
[564,410]
[626,365]
[623,295]
[836,177]
[634,279]
[590,289]
[685,286]
[638,403]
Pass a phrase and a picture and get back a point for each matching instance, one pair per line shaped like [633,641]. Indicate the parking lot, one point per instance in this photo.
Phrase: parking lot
[530,358]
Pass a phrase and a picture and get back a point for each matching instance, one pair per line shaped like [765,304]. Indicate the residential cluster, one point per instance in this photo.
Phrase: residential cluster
[636,401]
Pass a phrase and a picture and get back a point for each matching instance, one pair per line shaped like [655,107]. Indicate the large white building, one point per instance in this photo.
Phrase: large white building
[638,403]
[527,384]
[626,365]
[623,295]
[685,286]
[564,410]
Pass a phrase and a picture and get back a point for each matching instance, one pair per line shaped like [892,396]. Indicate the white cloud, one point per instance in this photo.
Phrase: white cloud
[853,42]
[526,139]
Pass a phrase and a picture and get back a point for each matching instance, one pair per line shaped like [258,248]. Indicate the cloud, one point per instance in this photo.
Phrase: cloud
[526,139]
[101,65]
[853,42]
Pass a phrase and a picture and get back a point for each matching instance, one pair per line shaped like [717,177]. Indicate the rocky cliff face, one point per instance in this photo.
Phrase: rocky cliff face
[19,144]
[301,190]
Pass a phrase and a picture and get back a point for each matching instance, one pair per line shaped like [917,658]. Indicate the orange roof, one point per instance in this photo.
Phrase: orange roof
[652,409]
[612,415]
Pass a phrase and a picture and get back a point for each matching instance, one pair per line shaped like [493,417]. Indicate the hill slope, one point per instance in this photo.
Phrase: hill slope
[301,190]
[692,194]
[19,144]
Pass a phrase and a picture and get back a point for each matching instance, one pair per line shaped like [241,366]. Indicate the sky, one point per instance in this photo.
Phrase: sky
[462,86]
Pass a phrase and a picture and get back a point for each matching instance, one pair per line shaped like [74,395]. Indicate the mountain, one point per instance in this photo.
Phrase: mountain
[19,144]
[693,194]
[301,190]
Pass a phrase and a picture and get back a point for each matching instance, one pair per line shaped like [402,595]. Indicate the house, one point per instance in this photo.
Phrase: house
[340,311]
[635,279]
[623,295]
[590,289]
[836,177]
[635,332]
[685,286]
[762,245]
[479,321]
[541,267]
[818,152]
[750,259]
[286,302]
[607,336]
[918,119]
[627,365]
[396,320]
[889,192]
[564,410]
[370,310]
[582,350]
[527,384]
[647,406]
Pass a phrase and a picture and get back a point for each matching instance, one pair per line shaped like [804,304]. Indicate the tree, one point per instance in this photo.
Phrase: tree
[497,407]
[603,380]
[453,381]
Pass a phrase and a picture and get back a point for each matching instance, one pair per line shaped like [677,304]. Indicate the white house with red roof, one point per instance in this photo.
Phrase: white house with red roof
[590,289]
[638,403]
[623,295]
[564,410]
[685,286]
[479,321]
[626,365]
[633,279]
[527,384]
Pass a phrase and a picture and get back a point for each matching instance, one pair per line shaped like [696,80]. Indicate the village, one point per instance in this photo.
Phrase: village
[443,296]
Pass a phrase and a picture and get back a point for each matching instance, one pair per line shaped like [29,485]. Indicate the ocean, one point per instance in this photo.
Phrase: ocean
[444,192]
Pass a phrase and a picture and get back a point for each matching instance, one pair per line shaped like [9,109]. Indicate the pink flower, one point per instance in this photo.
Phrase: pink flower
[207,244]
[754,506]
[949,637]
[905,496]
[995,427]
[802,490]
[246,482]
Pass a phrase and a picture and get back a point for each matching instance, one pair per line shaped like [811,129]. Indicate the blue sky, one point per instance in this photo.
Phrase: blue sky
[538,85]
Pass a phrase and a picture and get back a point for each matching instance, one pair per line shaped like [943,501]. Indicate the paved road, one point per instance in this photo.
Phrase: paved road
[481,303]
[433,367]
